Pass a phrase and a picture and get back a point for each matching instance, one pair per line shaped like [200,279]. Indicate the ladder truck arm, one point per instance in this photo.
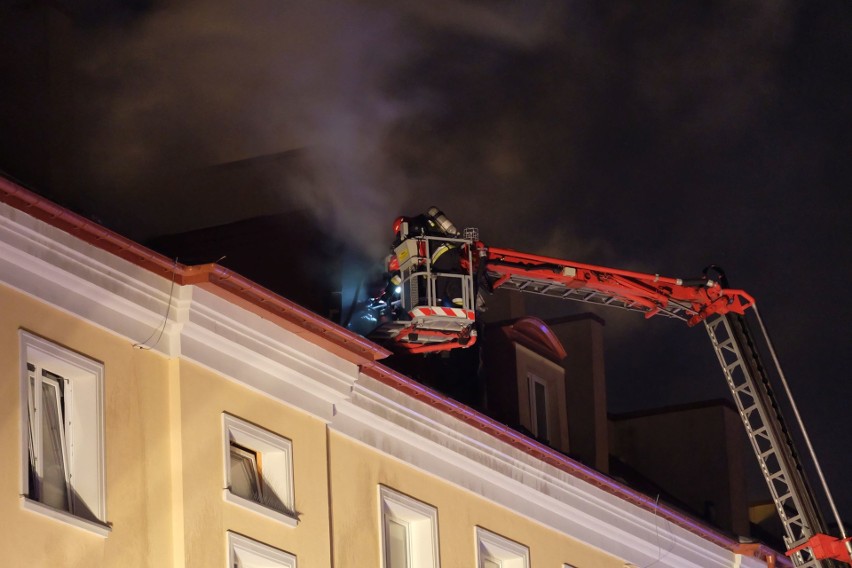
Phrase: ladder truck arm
[738,350]
[723,312]
[419,320]
[692,301]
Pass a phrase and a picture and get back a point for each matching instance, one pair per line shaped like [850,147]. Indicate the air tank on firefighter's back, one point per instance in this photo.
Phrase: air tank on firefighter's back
[441,220]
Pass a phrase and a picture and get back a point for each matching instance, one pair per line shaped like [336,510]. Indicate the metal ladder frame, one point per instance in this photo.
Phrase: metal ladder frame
[767,433]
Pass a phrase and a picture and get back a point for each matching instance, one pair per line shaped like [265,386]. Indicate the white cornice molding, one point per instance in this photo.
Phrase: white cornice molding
[58,268]
[264,356]
[437,443]
[62,270]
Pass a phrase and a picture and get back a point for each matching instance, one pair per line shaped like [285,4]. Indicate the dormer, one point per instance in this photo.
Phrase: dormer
[526,380]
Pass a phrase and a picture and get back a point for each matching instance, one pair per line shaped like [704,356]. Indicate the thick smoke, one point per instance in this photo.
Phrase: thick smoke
[618,133]
[188,86]
[614,115]
[660,137]
[645,137]
[196,84]
[601,112]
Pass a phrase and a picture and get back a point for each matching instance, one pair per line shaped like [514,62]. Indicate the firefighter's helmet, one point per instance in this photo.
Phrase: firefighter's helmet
[397,224]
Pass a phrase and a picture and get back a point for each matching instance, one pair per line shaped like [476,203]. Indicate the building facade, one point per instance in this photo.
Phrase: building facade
[155,414]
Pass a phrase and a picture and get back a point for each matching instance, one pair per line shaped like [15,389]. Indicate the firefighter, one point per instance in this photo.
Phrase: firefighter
[433,223]
[444,258]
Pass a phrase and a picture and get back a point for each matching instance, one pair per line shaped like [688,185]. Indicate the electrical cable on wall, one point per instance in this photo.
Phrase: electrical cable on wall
[660,554]
[144,344]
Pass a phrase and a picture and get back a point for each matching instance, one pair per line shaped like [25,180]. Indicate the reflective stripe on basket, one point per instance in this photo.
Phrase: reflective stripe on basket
[424,311]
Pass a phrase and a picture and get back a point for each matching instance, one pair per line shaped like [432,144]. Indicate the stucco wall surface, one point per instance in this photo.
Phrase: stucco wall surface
[204,396]
[356,473]
[138,495]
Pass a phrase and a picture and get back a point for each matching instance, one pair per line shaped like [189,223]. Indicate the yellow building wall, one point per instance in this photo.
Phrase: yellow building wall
[138,496]
[165,465]
[164,458]
[204,396]
[356,472]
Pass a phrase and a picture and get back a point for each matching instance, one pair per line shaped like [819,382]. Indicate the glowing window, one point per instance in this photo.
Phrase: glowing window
[258,470]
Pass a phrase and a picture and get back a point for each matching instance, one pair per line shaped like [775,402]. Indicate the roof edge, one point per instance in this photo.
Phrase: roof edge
[673,408]
[563,463]
[213,277]
[354,348]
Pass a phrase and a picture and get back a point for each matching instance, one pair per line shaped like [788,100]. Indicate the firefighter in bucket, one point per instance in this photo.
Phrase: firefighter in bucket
[444,258]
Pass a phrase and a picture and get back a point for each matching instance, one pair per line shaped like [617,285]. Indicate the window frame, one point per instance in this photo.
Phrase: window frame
[275,475]
[533,381]
[61,394]
[528,363]
[251,458]
[496,548]
[258,554]
[421,522]
[82,427]
[387,522]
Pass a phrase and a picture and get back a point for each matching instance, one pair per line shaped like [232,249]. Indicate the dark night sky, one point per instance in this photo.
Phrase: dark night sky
[656,136]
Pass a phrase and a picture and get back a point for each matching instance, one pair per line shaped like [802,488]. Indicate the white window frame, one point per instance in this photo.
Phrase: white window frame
[250,553]
[421,522]
[253,461]
[499,549]
[530,364]
[276,453]
[82,380]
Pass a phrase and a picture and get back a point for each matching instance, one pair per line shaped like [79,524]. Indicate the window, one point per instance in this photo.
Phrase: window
[258,470]
[244,552]
[538,407]
[409,531]
[63,434]
[245,473]
[495,551]
[542,408]
[397,549]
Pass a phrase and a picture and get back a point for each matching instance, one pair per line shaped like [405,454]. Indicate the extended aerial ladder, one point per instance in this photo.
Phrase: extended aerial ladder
[418,315]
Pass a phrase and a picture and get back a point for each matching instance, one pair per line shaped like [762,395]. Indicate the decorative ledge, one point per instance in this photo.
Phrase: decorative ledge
[93,527]
[283,518]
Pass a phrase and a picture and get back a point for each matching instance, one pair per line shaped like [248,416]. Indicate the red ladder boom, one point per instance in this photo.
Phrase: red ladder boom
[422,320]
[690,300]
